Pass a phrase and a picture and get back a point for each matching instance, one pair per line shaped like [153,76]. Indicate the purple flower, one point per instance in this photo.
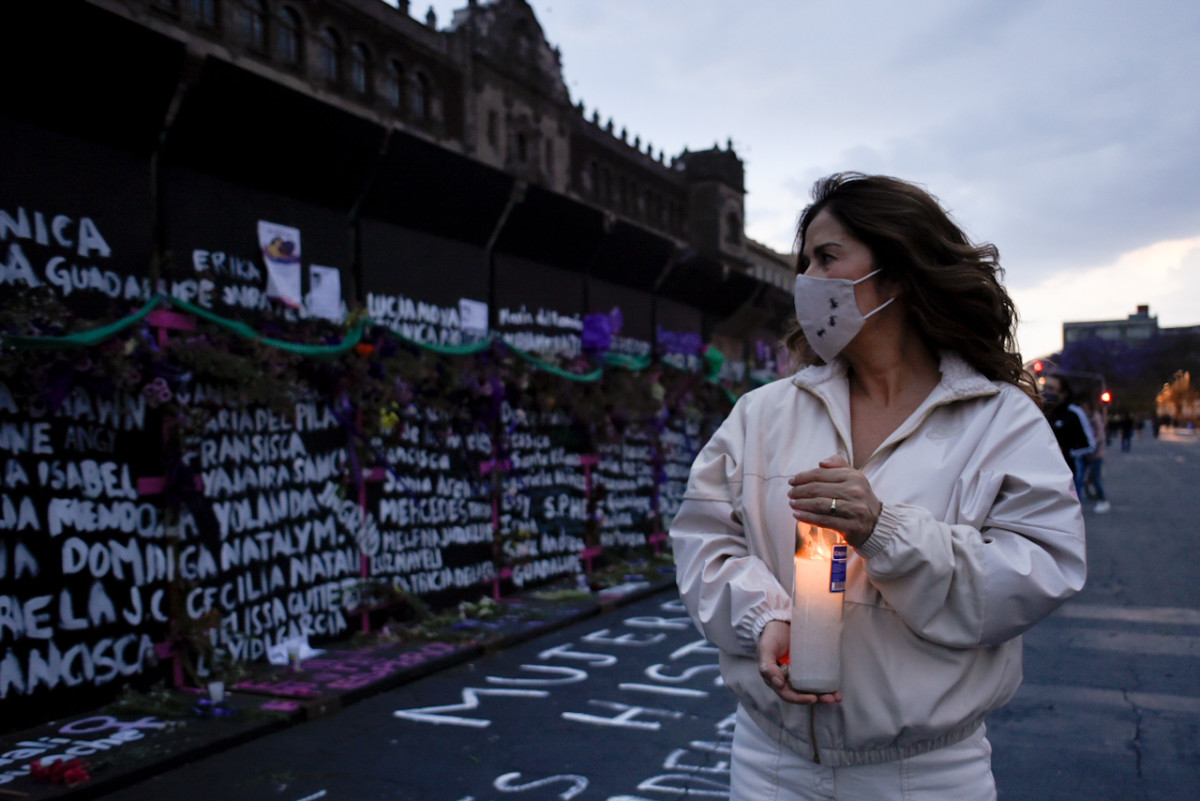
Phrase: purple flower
[685,343]
[597,332]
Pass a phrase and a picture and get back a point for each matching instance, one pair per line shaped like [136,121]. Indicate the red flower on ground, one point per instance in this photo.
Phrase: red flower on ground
[75,775]
[69,772]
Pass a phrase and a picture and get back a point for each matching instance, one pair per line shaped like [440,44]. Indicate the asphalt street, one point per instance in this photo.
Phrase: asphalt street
[623,704]
[1110,707]
[627,705]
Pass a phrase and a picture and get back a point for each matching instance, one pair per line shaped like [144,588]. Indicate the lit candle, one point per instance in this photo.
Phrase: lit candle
[815,655]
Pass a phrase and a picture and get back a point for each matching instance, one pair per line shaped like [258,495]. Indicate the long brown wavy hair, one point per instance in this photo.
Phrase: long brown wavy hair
[955,297]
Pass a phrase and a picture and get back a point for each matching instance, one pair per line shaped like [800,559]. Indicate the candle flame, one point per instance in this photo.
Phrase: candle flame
[816,543]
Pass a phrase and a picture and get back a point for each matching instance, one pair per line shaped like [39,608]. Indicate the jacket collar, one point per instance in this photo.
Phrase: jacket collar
[829,382]
[959,379]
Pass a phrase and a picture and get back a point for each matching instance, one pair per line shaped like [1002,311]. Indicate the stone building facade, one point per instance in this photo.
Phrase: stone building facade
[462,130]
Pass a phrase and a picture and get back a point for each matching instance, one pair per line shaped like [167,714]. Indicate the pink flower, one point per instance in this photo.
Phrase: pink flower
[157,392]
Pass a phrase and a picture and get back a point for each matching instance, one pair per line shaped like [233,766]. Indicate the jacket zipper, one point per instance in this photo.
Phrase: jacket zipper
[812,733]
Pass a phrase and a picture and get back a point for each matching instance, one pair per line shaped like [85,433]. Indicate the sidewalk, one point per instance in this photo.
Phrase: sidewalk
[144,735]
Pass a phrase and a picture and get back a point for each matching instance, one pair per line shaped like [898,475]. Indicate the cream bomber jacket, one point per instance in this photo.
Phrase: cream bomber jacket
[980,537]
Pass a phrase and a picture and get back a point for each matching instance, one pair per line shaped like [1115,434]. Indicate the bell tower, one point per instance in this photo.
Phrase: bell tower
[716,204]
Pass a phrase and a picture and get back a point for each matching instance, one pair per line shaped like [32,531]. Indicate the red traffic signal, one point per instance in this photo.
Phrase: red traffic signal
[1038,366]
[1106,397]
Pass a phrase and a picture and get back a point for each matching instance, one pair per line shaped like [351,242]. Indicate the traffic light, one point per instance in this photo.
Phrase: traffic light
[1106,397]
[1038,367]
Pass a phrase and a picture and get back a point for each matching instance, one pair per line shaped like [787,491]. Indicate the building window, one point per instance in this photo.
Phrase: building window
[287,36]
[360,69]
[522,148]
[204,11]
[733,229]
[493,128]
[419,97]
[393,85]
[254,24]
[331,55]
[549,156]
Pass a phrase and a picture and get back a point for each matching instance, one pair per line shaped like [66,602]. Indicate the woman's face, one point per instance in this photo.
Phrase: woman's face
[831,252]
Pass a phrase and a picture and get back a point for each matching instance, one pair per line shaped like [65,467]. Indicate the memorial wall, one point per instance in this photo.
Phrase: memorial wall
[210,455]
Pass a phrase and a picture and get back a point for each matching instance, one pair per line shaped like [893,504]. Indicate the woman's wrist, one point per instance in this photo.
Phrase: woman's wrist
[886,523]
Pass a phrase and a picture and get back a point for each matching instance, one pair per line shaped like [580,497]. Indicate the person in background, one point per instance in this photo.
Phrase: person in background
[914,431]
[1093,464]
[1126,426]
[1072,428]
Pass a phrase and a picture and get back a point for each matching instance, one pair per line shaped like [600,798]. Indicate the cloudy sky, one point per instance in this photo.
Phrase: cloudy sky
[1067,132]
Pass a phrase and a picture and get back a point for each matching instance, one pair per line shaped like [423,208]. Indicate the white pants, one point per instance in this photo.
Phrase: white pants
[764,770]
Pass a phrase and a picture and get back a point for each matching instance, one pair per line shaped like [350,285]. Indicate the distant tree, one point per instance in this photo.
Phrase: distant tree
[1172,354]
[1134,373]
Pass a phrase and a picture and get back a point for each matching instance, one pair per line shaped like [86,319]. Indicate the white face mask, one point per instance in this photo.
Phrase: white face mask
[828,312]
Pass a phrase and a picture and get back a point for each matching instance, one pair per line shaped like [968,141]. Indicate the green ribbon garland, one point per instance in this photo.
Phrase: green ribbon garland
[594,375]
[82,339]
[634,364]
[448,350]
[352,338]
[712,358]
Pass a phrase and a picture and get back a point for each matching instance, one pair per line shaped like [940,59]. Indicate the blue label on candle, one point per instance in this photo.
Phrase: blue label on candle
[837,571]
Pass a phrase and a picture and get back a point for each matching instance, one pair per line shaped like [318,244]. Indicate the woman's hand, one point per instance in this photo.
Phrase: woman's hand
[836,496]
[773,647]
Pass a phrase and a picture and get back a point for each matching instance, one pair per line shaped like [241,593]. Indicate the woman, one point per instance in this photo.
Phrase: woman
[919,438]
